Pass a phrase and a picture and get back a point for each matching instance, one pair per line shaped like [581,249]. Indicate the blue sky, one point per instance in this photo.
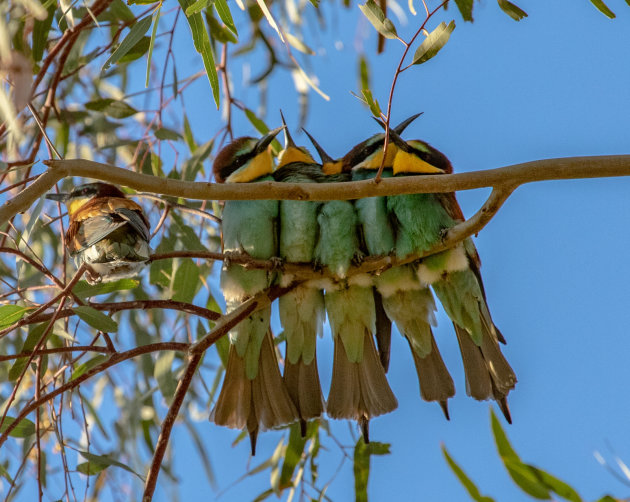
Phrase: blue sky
[554,259]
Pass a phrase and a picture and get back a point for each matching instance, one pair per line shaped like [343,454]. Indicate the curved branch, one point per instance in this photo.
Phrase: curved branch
[514,175]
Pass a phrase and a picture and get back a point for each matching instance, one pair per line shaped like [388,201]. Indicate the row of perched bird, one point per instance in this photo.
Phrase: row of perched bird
[110,234]
[336,234]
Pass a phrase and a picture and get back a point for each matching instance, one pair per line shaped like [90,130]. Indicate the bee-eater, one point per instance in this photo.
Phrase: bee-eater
[359,389]
[253,395]
[107,231]
[421,220]
[405,300]
[301,309]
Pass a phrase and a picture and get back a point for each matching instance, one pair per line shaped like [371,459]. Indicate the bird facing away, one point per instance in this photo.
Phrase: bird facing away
[107,231]
[359,389]
[253,395]
[454,275]
[406,301]
[301,309]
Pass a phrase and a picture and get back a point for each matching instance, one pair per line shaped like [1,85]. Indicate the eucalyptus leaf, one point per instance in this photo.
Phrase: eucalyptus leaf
[136,32]
[96,319]
[603,8]
[433,43]
[376,16]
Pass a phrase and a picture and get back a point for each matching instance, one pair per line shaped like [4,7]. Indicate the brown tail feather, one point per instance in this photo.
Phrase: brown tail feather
[233,406]
[383,331]
[478,381]
[435,381]
[359,391]
[302,383]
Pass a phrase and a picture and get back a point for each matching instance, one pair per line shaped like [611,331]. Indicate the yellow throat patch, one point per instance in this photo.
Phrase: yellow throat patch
[409,163]
[258,167]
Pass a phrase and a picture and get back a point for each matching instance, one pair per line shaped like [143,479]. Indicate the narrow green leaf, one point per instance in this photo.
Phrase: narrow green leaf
[269,17]
[219,32]
[188,135]
[120,11]
[156,20]
[137,51]
[361,468]
[364,73]
[467,483]
[292,456]
[557,486]
[90,468]
[201,40]
[526,479]
[503,444]
[85,290]
[10,314]
[163,374]
[24,429]
[87,365]
[166,134]
[223,10]
[512,10]
[33,337]
[41,27]
[603,8]
[96,319]
[111,107]
[105,461]
[433,43]
[608,498]
[196,7]
[465,8]
[262,128]
[5,474]
[136,32]
[376,16]
[186,281]
[375,108]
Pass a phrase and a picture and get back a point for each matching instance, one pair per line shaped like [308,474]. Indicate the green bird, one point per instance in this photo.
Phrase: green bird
[253,395]
[302,310]
[405,300]
[421,221]
[359,389]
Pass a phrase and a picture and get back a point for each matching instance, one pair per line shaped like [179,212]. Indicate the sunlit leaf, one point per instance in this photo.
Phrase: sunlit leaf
[136,32]
[137,51]
[512,10]
[376,16]
[466,482]
[433,43]
[465,8]
[557,486]
[24,429]
[219,32]
[361,466]
[298,44]
[156,20]
[201,40]
[603,8]
[364,73]
[96,319]
[223,10]
[269,17]
[196,7]
[292,456]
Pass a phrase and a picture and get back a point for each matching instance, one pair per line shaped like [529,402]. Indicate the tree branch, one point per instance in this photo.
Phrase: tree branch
[514,175]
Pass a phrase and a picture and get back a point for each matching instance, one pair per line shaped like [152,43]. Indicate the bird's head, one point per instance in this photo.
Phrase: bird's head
[82,194]
[292,152]
[369,153]
[329,165]
[245,159]
[418,157]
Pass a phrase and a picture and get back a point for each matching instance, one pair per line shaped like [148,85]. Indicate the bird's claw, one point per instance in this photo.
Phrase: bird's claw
[358,258]
[277,263]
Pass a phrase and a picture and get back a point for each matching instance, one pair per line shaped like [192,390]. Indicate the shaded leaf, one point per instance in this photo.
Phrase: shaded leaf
[104,461]
[111,107]
[137,51]
[557,486]
[163,373]
[136,32]
[167,134]
[201,40]
[88,365]
[503,444]
[10,314]
[292,456]
[156,19]
[84,290]
[96,319]
[24,429]
[41,27]
[219,32]
[33,337]
[376,16]
[603,8]
[433,43]
[512,10]
[361,466]
[467,483]
[364,73]
[186,281]
[465,8]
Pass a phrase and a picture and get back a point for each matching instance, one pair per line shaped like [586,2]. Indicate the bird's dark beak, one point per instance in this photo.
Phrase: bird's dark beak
[59,197]
[322,153]
[398,141]
[403,125]
[266,140]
